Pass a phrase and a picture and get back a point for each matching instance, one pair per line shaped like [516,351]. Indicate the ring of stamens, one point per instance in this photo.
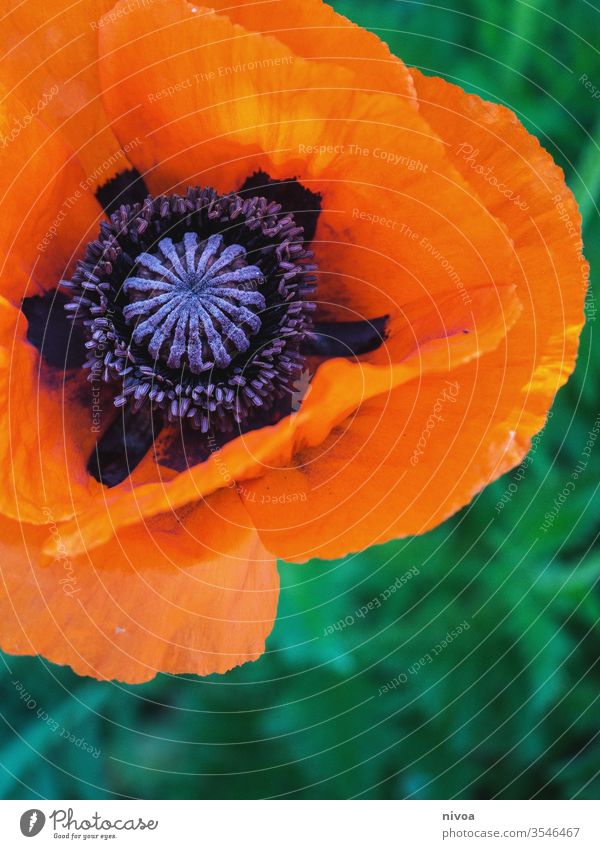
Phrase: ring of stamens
[198,305]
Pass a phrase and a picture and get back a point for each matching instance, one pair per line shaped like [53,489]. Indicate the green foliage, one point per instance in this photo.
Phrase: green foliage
[509,707]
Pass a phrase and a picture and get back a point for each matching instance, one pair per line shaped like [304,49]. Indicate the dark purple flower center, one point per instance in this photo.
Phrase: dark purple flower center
[197,306]
[197,310]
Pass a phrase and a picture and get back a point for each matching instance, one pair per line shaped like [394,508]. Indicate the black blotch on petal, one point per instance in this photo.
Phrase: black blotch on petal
[125,187]
[59,341]
[292,195]
[184,446]
[123,445]
[345,338]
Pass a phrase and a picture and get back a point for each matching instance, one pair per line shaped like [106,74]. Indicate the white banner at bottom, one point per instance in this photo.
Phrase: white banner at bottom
[302,824]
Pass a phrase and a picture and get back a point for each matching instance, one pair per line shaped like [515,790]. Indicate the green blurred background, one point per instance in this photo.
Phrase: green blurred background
[510,708]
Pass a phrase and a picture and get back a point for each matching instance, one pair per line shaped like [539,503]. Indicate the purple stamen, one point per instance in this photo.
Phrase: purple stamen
[182,320]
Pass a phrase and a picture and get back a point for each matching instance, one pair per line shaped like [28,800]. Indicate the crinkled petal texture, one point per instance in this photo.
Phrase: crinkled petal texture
[45,422]
[413,457]
[50,62]
[438,210]
[47,216]
[197,597]
[45,430]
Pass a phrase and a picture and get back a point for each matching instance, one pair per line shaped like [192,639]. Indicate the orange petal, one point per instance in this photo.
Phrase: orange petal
[313,30]
[339,387]
[195,594]
[46,433]
[208,97]
[50,61]
[382,170]
[48,211]
[214,101]
[402,465]
[399,222]
[368,482]
[522,186]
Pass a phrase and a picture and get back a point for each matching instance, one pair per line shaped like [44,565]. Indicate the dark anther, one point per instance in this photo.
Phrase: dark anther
[345,338]
[123,446]
[59,341]
[292,195]
[125,187]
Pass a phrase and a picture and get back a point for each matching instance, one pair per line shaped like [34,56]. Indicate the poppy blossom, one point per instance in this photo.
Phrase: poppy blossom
[266,293]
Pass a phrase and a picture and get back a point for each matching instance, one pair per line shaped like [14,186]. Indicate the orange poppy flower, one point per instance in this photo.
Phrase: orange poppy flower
[266,293]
